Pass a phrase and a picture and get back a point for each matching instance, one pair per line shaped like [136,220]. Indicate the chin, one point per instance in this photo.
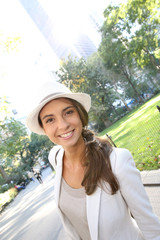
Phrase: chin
[70,144]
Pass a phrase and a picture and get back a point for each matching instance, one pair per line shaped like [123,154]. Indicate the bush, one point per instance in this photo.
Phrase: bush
[5,187]
[12,192]
[7,197]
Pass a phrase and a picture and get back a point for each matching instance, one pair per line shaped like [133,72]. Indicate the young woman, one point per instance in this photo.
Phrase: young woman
[98,190]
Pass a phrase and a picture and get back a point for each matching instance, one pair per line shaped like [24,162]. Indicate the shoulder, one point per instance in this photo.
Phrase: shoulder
[52,155]
[121,157]
[120,153]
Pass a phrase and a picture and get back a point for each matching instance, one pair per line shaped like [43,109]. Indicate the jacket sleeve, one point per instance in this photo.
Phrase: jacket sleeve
[134,194]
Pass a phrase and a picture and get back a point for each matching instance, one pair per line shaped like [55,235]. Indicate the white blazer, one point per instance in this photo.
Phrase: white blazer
[113,218]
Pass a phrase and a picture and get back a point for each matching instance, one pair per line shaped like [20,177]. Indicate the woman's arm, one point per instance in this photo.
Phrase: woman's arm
[133,191]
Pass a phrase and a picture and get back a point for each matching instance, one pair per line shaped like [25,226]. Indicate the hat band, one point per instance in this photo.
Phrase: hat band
[53,94]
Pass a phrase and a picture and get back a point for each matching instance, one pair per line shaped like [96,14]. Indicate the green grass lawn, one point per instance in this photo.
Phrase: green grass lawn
[139,132]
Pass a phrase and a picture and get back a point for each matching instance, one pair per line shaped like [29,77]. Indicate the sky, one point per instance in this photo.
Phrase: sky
[23,69]
[29,65]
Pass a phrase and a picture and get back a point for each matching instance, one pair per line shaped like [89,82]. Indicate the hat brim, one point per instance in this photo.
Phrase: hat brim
[32,119]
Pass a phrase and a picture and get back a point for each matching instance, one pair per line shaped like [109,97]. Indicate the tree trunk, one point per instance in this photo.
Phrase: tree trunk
[4,174]
[128,108]
[154,83]
[153,60]
[107,123]
[127,74]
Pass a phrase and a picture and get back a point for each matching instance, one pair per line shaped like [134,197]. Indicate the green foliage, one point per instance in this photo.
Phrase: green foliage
[130,42]
[12,193]
[72,73]
[9,43]
[144,45]
[131,31]
[7,197]
[38,148]
[105,87]
[12,134]
[18,151]
[90,77]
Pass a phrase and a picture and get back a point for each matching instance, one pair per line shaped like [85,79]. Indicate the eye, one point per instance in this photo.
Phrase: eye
[69,112]
[49,120]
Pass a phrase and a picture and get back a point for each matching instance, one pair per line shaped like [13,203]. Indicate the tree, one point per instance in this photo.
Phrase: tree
[130,40]
[18,151]
[72,73]
[101,90]
[81,75]
[143,19]
[92,77]
[114,47]
[12,135]
[37,149]
[108,78]
[132,30]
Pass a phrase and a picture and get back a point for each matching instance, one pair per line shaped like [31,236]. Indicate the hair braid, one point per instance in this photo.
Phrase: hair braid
[97,163]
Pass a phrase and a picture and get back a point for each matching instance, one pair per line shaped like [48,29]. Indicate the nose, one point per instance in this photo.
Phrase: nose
[62,124]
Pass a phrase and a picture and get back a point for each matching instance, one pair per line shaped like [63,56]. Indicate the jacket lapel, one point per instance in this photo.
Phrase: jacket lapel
[58,175]
[93,203]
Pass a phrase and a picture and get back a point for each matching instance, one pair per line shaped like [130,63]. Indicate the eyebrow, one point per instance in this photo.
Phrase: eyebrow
[51,115]
[46,116]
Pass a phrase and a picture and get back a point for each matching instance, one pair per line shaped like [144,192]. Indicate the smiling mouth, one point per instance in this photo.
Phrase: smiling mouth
[67,135]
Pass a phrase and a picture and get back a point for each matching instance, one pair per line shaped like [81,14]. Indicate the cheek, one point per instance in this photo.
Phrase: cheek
[49,130]
[50,134]
[79,124]
[78,120]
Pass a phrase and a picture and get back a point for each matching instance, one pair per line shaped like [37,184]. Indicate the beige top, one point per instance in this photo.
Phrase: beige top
[73,205]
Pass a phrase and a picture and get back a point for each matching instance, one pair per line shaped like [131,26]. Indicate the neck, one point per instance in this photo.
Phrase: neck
[74,155]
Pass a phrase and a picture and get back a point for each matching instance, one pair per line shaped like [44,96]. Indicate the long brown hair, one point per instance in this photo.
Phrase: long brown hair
[97,157]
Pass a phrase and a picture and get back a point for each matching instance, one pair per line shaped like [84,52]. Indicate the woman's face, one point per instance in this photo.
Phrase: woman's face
[61,122]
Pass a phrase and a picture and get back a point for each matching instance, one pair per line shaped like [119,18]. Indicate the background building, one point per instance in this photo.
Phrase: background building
[52,20]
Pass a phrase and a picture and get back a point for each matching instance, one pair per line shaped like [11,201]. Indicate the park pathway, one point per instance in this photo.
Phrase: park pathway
[32,215]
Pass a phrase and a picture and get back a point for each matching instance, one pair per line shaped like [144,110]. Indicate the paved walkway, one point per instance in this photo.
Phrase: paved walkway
[32,215]
[152,177]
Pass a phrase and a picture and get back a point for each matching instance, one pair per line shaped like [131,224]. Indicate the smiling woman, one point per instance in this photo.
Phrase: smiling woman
[61,122]
[96,185]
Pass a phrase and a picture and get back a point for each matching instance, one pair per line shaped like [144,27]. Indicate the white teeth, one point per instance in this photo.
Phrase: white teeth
[66,135]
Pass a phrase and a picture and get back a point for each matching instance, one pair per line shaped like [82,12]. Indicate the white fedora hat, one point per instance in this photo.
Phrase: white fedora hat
[48,92]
